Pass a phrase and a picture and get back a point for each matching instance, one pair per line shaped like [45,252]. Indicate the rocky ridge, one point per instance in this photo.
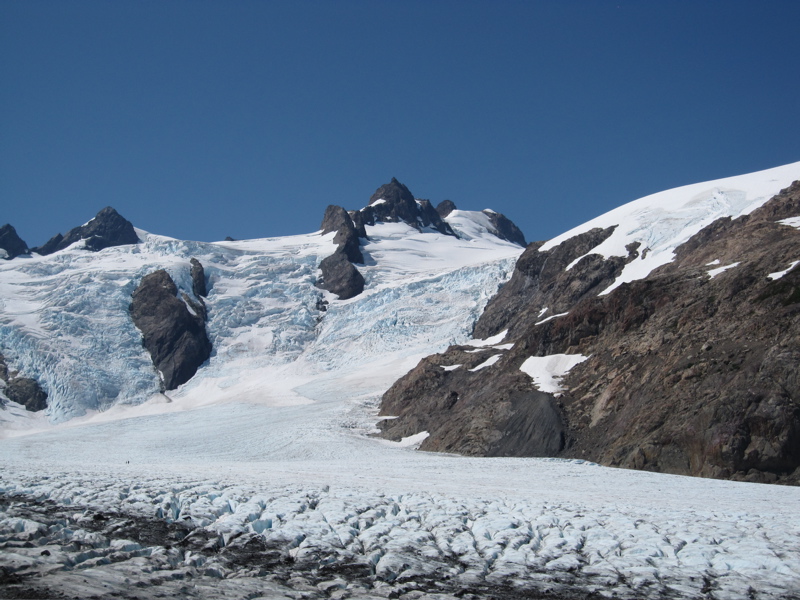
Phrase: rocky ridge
[108,228]
[391,203]
[691,370]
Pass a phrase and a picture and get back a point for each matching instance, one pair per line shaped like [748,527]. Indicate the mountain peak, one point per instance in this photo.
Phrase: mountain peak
[10,243]
[393,192]
[108,228]
[393,202]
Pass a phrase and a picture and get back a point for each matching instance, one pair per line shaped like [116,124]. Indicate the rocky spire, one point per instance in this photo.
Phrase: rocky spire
[393,202]
[107,229]
[11,243]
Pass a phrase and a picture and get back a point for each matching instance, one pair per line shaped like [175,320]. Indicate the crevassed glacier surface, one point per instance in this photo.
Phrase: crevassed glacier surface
[64,318]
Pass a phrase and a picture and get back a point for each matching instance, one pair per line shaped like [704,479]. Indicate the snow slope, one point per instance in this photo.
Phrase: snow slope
[661,222]
[270,440]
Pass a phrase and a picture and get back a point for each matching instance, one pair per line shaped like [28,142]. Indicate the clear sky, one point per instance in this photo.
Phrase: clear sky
[204,119]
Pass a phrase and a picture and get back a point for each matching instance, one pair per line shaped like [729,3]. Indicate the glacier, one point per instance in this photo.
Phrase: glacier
[269,445]
[64,318]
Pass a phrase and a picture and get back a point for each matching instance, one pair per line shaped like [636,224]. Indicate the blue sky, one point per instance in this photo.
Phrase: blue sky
[206,119]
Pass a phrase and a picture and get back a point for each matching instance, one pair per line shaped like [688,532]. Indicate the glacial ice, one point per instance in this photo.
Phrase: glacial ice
[64,318]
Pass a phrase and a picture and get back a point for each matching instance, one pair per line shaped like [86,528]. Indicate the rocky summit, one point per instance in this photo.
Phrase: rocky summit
[393,202]
[691,369]
[108,228]
[11,245]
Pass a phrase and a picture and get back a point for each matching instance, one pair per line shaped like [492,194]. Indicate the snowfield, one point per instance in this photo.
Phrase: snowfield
[259,477]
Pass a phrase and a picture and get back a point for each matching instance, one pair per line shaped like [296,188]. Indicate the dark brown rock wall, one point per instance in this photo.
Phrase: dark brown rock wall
[687,373]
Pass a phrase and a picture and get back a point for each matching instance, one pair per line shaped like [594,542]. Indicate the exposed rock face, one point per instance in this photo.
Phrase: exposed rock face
[465,413]
[22,390]
[107,229]
[347,236]
[505,228]
[688,373]
[340,276]
[198,279]
[334,219]
[173,329]
[541,280]
[393,202]
[11,245]
[445,207]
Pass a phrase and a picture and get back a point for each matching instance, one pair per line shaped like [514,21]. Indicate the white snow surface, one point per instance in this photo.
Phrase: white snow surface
[714,272]
[779,274]
[487,363]
[469,224]
[663,221]
[547,371]
[791,222]
[271,437]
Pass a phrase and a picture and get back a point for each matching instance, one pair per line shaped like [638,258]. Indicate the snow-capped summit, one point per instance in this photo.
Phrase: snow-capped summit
[65,318]
[393,202]
[108,228]
[11,245]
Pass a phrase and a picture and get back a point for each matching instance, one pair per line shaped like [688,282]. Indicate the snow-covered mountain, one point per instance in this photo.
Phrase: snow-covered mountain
[258,477]
[663,335]
[65,319]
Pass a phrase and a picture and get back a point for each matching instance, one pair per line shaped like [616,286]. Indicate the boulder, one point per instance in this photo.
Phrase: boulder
[173,328]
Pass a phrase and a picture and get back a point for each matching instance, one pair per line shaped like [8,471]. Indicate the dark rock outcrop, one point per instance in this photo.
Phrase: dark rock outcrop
[11,242]
[505,229]
[445,207]
[358,223]
[340,276]
[50,246]
[108,228]
[198,278]
[173,329]
[393,202]
[338,273]
[465,413]
[686,373]
[22,390]
[541,280]
[347,235]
